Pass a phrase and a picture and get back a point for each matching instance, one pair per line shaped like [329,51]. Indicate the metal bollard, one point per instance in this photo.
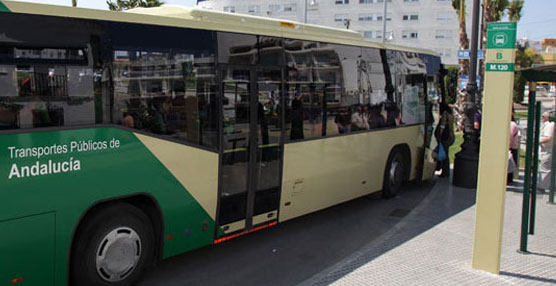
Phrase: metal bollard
[527,177]
[535,169]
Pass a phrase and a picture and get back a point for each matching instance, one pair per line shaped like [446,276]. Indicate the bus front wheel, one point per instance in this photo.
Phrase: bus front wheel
[394,174]
[113,247]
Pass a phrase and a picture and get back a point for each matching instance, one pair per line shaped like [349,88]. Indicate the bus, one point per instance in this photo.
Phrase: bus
[130,137]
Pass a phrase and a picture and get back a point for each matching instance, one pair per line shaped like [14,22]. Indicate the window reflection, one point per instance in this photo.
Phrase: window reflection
[165,92]
[46,95]
[408,74]
[335,89]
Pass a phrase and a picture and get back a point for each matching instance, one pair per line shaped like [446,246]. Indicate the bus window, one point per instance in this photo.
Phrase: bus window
[45,80]
[162,92]
[237,49]
[43,95]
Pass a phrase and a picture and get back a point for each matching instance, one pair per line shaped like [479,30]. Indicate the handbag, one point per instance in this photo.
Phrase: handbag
[441,153]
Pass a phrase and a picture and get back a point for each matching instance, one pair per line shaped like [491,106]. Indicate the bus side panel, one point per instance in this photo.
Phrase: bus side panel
[321,173]
[3,7]
[106,163]
[28,252]
[197,171]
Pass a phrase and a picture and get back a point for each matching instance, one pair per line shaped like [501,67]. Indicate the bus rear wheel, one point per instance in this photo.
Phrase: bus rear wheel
[113,247]
[394,174]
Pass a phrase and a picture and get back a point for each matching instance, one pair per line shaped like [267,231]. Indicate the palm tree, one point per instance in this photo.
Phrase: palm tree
[525,57]
[514,10]
[494,11]
[459,7]
[121,5]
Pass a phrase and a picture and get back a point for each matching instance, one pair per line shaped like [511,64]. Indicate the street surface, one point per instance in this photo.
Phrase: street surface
[293,251]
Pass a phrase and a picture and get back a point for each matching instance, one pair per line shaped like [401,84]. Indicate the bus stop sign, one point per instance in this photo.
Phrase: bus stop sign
[500,47]
[493,157]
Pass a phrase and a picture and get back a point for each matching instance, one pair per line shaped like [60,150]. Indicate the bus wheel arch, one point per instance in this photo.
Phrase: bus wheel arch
[141,206]
[397,170]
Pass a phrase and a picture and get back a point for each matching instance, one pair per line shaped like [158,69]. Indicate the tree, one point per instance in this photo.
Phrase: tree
[451,85]
[525,57]
[74,3]
[514,10]
[494,11]
[122,5]
[459,7]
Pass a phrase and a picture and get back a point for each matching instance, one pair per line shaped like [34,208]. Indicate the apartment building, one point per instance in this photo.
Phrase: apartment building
[430,24]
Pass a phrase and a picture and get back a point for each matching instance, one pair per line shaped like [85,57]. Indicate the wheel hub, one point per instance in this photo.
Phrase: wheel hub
[118,254]
[394,172]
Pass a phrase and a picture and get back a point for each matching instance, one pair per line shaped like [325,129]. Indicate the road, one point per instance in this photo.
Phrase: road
[290,252]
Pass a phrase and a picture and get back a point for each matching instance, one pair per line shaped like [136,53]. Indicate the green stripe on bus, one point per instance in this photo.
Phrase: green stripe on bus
[3,7]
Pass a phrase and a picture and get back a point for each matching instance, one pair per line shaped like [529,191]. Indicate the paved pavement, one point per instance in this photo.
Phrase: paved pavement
[433,246]
[423,237]
[292,251]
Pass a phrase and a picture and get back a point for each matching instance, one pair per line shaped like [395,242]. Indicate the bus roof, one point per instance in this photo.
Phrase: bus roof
[179,16]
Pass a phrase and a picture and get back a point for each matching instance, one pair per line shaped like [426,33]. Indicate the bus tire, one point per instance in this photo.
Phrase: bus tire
[394,174]
[113,247]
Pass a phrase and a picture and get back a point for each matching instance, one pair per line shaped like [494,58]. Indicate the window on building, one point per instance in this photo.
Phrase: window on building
[410,35]
[366,17]
[274,8]
[445,16]
[407,1]
[366,1]
[341,17]
[254,9]
[341,2]
[230,9]
[382,1]
[289,7]
[443,34]
[372,34]
[410,17]
[388,17]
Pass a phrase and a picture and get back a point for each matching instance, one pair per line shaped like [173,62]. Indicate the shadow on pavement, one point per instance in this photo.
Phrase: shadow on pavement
[443,202]
[543,255]
[314,245]
[529,277]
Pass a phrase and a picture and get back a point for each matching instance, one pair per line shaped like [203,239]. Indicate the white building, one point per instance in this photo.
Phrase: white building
[429,24]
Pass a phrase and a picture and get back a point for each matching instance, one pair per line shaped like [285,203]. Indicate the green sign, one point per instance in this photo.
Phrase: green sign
[500,67]
[501,35]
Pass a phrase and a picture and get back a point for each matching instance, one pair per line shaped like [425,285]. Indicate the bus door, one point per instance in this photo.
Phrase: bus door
[251,159]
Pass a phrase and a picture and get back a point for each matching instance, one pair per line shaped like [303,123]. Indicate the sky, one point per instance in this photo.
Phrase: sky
[538,18]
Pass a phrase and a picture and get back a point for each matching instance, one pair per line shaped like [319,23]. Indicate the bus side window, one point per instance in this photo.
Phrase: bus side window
[164,92]
[46,87]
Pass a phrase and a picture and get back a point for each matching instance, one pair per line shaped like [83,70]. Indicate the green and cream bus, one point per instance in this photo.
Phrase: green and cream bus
[129,137]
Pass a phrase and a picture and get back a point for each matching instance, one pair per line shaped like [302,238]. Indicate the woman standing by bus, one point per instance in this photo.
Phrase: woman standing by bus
[444,134]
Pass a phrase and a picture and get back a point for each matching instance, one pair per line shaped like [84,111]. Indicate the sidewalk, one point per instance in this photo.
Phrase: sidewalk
[433,246]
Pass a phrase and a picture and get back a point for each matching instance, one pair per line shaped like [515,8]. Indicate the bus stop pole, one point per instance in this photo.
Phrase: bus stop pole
[535,169]
[527,175]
